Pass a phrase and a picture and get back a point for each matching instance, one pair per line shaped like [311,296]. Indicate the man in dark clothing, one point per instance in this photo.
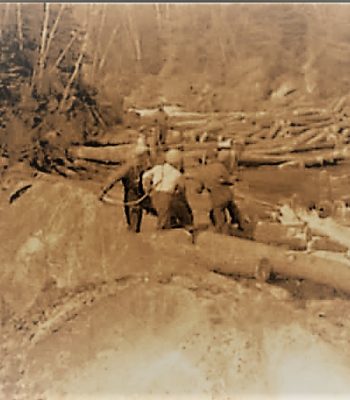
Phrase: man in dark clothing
[135,199]
[214,177]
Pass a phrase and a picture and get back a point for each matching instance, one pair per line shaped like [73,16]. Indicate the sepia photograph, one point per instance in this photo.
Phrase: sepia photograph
[174,201]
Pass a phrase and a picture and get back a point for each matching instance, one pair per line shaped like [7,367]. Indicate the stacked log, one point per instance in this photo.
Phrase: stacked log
[307,136]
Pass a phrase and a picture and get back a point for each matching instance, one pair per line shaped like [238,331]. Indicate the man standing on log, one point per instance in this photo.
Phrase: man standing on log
[135,199]
[227,154]
[215,178]
[168,192]
[161,121]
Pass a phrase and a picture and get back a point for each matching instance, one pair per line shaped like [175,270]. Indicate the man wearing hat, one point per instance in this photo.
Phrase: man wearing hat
[226,153]
[131,176]
[214,177]
[167,186]
[161,124]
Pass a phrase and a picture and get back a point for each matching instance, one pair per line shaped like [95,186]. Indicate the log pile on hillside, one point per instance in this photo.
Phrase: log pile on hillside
[306,137]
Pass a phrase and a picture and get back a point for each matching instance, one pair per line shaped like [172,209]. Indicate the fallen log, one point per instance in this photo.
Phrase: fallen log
[312,147]
[114,154]
[310,119]
[294,237]
[309,111]
[319,158]
[296,130]
[282,145]
[325,244]
[319,137]
[258,159]
[326,227]
[231,255]
[190,124]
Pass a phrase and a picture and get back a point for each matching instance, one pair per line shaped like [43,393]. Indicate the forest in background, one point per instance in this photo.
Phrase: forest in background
[79,66]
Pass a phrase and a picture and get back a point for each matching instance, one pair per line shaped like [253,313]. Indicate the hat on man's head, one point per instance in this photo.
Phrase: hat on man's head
[173,156]
[141,149]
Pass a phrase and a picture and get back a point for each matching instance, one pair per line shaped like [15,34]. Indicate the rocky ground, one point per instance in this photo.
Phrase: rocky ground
[90,310]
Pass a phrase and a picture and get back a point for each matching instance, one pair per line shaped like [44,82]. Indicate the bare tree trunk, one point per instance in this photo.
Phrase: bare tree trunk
[74,73]
[40,70]
[134,35]
[158,16]
[221,31]
[19,26]
[98,46]
[167,11]
[103,58]
[4,18]
[64,52]
[53,31]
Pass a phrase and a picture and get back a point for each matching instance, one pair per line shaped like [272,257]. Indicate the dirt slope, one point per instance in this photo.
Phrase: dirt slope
[92,310]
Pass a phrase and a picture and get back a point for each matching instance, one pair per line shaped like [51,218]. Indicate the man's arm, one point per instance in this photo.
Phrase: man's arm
[114,177]
[195,177]
[147,179]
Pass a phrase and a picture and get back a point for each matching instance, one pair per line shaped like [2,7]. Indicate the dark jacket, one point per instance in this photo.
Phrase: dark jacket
[216,180]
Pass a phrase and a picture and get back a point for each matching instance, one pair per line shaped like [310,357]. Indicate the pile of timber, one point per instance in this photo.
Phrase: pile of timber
[306,137]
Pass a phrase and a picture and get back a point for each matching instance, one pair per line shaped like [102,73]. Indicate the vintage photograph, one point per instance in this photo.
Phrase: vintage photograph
[174,201]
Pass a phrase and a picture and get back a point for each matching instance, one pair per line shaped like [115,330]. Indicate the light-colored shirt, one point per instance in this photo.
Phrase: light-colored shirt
[165,178]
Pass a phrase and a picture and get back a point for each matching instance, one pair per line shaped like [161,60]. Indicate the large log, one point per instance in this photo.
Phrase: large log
[293,237]
[310,119]
[231,255]
[326,227]
[312,147]
[257,159]
[115,154]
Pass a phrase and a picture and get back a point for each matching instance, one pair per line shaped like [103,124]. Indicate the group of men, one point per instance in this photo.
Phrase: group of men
[157,185]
